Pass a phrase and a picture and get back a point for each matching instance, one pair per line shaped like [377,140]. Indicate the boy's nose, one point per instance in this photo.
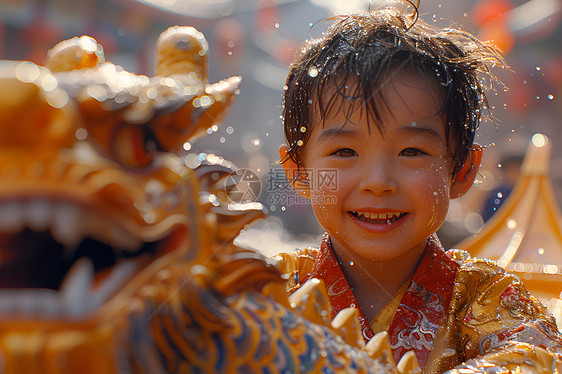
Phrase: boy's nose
[378,180]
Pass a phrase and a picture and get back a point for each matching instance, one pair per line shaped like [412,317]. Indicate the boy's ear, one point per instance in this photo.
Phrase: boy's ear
[299,180]
[466,175]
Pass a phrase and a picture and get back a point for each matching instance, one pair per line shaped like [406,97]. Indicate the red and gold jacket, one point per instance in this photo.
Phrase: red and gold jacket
[455,312]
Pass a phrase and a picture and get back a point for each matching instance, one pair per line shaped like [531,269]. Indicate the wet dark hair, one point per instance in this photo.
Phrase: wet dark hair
[359,53]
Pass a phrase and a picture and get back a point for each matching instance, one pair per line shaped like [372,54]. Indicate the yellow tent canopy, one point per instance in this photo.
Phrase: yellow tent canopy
[524,235]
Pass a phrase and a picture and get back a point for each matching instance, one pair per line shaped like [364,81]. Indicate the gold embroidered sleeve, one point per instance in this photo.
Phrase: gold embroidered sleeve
[502,328]
[295,266]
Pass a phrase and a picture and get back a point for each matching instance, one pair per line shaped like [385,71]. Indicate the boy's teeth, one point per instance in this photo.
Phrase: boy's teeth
[378,216]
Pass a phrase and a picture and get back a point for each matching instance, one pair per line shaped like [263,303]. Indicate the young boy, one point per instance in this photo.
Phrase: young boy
[388,105]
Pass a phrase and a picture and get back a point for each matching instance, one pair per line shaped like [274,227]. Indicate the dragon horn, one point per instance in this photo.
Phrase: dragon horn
[309,299]
[182,49]
[76,53]
[408,364]
[379,348]
[346,324]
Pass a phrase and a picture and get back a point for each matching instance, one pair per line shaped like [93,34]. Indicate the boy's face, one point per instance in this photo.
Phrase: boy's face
[393,190]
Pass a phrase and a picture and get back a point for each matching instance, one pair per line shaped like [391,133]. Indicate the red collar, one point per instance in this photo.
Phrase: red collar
[421,309]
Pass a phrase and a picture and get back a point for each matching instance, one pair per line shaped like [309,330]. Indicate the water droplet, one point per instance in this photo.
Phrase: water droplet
[511,224]
[213,200]
[538,97]
[499,194]
[465,14]
[215,128]
[540,251]
[27,72]
[539,140]
[222,139]
[550,96]
[49,83]
[276,25]
[538,68]
[81,134]
[192,161]
[230,130]
[300,143]
[229,53]
[351,263]
[149,217]
[312,71]
[187,146]
[438,5]
[283,208]
[499,165]
[151,93]
[230,44]
[303,129]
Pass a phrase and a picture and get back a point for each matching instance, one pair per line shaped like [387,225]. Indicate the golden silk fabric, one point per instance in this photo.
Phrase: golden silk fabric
[383,319]
[455,309]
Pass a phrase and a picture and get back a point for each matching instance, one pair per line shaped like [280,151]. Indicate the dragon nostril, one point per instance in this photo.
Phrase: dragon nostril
[183,44]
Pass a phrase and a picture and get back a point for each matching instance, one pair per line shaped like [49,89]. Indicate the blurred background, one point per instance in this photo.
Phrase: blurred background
[257,39]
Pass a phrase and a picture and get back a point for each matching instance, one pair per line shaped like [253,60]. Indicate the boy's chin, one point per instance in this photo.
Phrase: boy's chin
[380,250]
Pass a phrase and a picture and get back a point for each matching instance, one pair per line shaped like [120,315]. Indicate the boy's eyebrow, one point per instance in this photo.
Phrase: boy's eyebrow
[331,133]
[420,129]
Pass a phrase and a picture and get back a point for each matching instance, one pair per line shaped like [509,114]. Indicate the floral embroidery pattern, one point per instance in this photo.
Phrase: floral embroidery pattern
[421,309]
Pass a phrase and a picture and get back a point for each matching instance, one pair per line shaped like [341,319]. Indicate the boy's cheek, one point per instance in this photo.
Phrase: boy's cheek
[435,178]
[322,214]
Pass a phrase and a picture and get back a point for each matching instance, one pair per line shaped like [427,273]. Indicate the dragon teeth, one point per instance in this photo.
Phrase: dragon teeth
[38,213]
[110,283]
[66,228]
[69,223]
[11,216]
[76,297]
[75,289]
[26,302]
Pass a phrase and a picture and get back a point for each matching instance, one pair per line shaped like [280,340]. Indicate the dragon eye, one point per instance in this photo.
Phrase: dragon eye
[132,147]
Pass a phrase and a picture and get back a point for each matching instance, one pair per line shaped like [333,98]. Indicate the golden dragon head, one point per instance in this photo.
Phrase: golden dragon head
[94,200]
[115,257]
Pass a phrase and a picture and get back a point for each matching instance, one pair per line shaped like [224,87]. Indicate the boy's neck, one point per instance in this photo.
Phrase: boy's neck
[374,283]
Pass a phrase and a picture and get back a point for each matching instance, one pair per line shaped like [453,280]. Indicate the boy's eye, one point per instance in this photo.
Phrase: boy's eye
[409,152]
[344,152]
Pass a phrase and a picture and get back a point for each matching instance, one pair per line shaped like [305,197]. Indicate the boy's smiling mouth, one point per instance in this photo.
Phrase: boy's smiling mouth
[377,218]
